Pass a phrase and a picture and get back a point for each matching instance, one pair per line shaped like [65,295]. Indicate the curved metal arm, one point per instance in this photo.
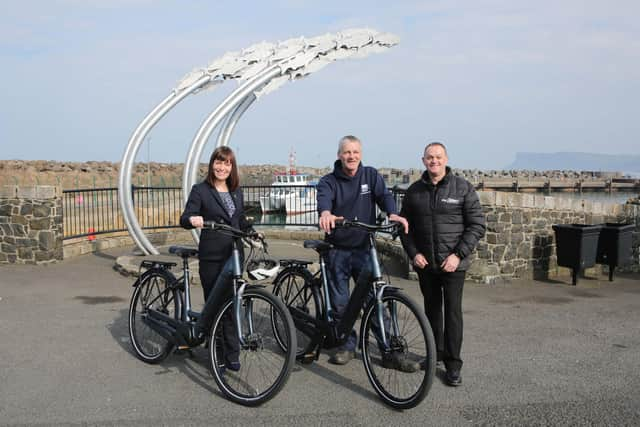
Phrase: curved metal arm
[234,100]
[124,178]
[232,120]
[190,173]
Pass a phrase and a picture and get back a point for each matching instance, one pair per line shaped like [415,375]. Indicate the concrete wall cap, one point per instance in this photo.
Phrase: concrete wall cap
[8,192]
[528,201]
[27,192]
[47,192]
[487,197]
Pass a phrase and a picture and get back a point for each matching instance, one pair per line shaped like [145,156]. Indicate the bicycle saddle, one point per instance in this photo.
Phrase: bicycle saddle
[285,262]
[183,251]
[318,245]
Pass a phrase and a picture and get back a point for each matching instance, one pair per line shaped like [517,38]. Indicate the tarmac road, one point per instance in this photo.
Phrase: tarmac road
[536,353]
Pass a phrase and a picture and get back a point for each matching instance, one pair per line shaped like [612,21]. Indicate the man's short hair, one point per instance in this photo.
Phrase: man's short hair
[347,139]
[436,143]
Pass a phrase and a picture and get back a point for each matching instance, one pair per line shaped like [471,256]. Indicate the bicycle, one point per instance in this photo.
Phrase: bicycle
[406,332]
[161,319]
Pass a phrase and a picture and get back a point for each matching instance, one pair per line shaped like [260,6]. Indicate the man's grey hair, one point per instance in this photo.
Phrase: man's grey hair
[436,143]
[347,139]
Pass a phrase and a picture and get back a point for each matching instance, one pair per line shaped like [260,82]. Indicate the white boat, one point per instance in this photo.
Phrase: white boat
[290,192]
[300,201]
[273,201]
[276,199]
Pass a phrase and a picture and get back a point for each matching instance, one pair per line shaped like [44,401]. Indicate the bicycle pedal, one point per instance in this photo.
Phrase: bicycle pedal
[308,358]
[182,349]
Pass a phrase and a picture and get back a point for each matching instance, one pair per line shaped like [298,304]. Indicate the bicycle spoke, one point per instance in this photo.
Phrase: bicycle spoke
[152,293]
[394,373]
[263,365]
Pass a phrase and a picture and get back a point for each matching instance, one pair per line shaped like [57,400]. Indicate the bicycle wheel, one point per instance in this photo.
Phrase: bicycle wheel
[295,288]
[154,292]
[253,371]
[409,335]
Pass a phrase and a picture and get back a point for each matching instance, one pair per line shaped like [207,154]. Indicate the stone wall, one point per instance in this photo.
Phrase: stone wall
[30,224]
[520,240]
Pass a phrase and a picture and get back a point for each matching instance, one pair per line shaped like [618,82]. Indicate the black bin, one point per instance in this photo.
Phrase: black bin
[614,246]
[576,246]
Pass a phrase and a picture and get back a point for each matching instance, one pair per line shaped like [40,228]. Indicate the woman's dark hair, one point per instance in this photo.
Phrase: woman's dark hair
[223,154]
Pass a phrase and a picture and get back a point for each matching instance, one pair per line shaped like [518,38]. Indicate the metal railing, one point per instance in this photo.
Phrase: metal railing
[89,212]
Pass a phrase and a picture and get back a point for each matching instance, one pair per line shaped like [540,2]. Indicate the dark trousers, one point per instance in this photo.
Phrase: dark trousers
[442,294]
[344,264]
[216,278]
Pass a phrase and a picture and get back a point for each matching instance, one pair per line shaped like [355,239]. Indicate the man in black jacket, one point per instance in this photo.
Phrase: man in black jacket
[445,224]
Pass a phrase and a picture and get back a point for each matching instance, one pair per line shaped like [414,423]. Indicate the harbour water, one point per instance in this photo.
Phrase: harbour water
[295,221]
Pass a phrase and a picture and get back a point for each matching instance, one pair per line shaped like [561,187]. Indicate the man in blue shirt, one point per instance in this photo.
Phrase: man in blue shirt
[352,191]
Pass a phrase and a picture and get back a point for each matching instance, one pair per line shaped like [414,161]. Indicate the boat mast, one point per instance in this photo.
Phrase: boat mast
[292,162]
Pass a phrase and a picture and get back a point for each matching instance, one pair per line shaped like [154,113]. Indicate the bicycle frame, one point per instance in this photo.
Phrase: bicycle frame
[325,289]
[178,331]
[325,331]
[389,315]
[239,286]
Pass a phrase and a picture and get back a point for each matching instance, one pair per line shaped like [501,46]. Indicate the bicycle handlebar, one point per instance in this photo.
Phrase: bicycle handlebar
[392,228]
[236,232]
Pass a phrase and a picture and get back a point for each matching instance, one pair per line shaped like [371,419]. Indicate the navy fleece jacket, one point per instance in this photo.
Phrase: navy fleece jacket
[355,198]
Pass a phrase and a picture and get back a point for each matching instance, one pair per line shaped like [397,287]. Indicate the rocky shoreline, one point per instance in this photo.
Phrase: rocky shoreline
[100,174]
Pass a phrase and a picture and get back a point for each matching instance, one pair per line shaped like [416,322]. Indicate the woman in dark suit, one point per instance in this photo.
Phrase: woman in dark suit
[218,198]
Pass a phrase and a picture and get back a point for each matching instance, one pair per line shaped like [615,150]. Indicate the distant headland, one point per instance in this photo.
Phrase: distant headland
[627,164]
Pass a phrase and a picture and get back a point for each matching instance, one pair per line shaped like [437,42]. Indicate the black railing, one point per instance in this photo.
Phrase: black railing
[291,205]
[398,195]
[94,211]
[89,212]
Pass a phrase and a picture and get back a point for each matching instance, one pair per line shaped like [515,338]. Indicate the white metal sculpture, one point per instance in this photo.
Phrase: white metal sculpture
[262,68]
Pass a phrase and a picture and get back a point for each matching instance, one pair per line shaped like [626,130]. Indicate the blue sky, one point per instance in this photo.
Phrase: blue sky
[489,78]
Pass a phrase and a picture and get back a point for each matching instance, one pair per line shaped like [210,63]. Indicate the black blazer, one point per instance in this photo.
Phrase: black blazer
[204,200]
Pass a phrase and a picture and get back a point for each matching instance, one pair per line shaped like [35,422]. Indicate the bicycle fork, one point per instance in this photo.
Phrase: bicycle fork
[238,293]
[238,315]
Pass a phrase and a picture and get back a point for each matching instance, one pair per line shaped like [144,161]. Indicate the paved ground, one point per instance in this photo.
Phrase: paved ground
[536,353]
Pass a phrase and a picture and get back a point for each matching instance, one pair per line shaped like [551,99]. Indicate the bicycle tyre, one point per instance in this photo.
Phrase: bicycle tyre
[264,366]
[153,291]
[415,340]
[294,286]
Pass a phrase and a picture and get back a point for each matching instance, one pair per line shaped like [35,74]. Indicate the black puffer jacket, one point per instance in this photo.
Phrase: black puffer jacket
[443,219]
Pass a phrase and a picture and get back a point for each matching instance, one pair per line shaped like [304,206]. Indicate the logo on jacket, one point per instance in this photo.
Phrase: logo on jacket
[451,201]
[364,189]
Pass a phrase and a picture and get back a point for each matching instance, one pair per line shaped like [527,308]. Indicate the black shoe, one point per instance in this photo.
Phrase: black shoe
[399,362]
[342,357]
[423,363]
[453,378]
[232,366]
